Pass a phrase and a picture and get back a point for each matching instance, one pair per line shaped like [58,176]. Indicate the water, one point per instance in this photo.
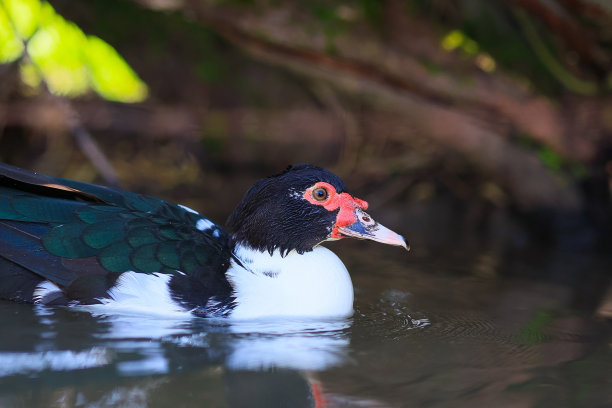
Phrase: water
[475,329]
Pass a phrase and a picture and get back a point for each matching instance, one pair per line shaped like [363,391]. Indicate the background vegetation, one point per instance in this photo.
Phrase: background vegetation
[481,122]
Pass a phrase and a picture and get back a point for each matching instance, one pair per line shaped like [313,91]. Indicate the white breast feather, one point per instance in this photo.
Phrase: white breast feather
[315,284]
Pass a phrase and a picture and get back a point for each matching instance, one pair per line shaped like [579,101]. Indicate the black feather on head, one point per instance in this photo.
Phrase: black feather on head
[274,215]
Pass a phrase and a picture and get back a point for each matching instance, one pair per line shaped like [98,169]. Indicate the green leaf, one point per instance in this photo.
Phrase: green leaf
[56,48]
[11,46]
[110,75]
[24,14]
[70,62]
[30,75]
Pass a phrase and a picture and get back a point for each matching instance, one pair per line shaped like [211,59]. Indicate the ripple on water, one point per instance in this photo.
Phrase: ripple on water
[390,317]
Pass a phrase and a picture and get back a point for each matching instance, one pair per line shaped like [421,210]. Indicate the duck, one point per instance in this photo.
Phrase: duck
[73,244]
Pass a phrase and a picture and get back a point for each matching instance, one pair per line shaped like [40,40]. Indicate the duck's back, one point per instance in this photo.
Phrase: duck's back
[66,242]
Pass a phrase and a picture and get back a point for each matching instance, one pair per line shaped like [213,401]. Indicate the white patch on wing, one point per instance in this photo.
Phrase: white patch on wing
[203,224]
[314,284]
[216,233]
[45,289]
[140,293]
[184,207]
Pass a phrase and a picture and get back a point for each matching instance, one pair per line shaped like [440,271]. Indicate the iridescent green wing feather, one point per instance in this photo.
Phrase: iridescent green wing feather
[69,232]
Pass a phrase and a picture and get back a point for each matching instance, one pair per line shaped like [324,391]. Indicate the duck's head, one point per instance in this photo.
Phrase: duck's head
[299,209]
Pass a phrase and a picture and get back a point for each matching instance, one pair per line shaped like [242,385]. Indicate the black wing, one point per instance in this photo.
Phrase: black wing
[82,237]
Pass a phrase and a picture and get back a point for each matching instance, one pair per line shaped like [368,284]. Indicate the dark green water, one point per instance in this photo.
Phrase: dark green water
[476,330]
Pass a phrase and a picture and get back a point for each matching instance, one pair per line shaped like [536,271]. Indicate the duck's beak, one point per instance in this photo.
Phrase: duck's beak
[366,228]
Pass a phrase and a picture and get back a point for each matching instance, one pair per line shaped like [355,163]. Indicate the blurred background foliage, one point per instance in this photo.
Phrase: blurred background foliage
[70,62]
[482,122]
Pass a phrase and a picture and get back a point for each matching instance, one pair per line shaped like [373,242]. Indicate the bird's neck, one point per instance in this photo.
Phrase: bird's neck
[313,284]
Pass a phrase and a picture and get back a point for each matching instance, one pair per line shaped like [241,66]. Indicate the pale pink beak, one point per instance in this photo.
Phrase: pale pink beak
[366,228]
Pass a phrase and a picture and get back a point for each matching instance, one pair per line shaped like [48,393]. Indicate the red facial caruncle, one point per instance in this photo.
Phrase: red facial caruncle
[325,195]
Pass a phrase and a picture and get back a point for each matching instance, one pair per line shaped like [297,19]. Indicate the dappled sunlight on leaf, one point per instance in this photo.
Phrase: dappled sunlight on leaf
[24,15]
[457,40]
[485,62]
[452,40]
[56,49]
[70,62]
[11,47]
[30,75]
[110,75]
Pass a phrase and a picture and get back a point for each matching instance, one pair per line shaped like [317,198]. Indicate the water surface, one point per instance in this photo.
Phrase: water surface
[475,329]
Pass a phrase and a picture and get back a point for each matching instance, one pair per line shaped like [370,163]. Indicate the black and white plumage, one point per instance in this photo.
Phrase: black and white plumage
[75,244]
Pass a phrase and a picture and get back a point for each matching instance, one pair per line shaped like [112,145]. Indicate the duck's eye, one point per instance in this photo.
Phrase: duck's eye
[320,193]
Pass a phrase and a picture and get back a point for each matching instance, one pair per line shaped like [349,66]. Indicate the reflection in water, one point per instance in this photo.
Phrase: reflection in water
[264,358]
[141,344]
[437,334]
[295,344]
[27,363]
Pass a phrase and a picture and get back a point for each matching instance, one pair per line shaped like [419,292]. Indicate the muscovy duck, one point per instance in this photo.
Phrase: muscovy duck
[70,243]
